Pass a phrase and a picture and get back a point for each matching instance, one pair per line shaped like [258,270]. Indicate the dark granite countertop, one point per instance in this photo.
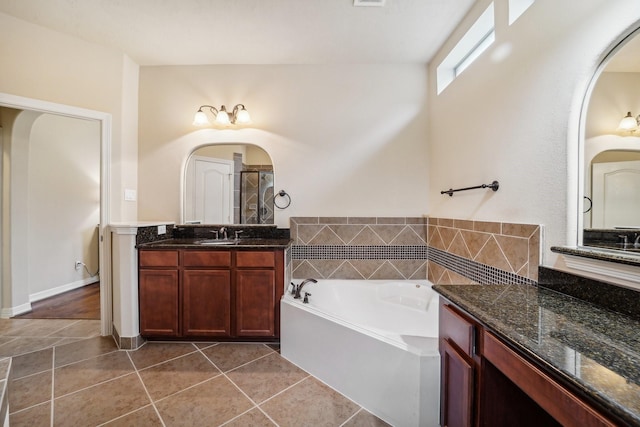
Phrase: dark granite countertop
[602,253]
[197,243]
[594,349]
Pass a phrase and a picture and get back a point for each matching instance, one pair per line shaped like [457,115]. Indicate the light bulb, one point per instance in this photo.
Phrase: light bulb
[200,119]
[222,118]
[628,123]
[243,116]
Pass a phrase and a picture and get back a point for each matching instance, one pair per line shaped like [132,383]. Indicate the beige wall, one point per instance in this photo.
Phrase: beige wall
[513,115]
[345,140]
[63,202]
[45,65]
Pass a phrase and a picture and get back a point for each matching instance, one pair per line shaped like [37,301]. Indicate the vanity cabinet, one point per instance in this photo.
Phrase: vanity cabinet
[224,294]
[256,294]
[486,382]
[458,367]
[159,293]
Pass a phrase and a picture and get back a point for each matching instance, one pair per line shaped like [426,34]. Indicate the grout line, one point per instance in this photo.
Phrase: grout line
[251,361]
[352,416]
[94,385]
[188,388]
[291,386]
[255,405]
[131,412]
[85,359]
[146,391]
[53,384]
[165,361]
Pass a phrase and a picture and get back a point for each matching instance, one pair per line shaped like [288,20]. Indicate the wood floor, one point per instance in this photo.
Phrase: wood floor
[81,303]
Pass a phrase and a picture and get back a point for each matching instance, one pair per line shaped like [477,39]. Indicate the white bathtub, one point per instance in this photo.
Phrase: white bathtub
[375,342]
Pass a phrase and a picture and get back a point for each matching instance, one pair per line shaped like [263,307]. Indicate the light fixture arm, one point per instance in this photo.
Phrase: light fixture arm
[234,113]
[211,108]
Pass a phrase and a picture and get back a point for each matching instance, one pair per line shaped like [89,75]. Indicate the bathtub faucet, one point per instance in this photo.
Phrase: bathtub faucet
[298,288]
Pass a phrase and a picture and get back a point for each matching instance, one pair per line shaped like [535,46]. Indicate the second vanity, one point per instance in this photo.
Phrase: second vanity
[525,355]
[194,288]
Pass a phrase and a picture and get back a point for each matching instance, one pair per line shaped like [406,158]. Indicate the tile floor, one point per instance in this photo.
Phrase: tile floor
[64,374]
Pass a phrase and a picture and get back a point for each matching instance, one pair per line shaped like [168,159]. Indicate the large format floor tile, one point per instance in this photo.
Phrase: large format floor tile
[310,403]
[64,374]
[266,376]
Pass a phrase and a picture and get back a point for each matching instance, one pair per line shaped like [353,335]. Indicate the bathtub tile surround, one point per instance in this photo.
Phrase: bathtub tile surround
[444,250]
[359,247]
[465,252]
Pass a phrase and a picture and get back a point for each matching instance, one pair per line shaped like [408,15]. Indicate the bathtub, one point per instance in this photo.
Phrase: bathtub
[375,342]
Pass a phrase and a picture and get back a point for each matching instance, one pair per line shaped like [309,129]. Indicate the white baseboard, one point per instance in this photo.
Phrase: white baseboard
[6,313]
[64,288]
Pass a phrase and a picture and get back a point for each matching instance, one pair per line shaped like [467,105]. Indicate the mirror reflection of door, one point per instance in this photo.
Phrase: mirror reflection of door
[209,186]
[616,194]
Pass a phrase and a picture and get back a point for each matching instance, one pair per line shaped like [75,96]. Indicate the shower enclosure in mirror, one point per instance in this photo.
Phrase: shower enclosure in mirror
[228,184]
[256,197]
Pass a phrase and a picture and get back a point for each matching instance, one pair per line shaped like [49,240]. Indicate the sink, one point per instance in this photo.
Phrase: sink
[214,242]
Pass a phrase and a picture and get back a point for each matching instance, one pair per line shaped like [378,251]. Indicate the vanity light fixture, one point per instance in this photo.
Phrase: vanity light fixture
[239,115]
[629,123]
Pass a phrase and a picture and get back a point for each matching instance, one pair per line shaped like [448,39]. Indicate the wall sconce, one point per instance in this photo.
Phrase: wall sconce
[629,123]
[239,115]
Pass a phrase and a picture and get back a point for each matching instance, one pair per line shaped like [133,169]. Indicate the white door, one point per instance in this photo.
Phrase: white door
[209,191]
[616,194]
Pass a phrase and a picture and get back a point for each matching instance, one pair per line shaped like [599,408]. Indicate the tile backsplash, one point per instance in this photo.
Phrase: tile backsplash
[462,251]
[359,248]
[444,250]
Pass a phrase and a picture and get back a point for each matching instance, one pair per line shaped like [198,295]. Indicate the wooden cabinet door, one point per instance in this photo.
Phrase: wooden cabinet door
[255,303]
[206,303]
[457,387]
[158,302]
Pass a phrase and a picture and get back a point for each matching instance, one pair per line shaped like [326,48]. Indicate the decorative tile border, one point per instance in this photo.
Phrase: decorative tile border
[447,268]
[359,252]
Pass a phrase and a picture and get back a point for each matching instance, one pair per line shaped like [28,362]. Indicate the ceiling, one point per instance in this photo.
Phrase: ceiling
[182,32]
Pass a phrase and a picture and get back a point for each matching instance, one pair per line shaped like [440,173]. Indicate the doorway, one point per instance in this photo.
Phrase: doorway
[14,297]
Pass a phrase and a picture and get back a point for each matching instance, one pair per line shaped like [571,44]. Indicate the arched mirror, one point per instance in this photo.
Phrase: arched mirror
[228,184]
[612,154]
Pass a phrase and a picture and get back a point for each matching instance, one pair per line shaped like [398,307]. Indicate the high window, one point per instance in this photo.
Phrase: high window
[475,41]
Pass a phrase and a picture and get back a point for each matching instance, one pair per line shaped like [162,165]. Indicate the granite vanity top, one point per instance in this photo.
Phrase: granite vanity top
[594,349]
[602,253]
[200,243]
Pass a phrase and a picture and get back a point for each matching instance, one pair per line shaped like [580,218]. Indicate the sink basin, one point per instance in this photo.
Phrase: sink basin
[214,242]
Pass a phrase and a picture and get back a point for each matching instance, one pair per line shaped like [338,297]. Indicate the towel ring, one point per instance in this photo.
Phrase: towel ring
[283,194]
[590,204]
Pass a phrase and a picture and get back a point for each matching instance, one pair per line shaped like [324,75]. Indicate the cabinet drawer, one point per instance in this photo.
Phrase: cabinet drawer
[206,258]
[255,259]
[456,328]
[158,258]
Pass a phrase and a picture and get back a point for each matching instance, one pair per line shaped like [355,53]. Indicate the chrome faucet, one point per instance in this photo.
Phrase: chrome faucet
[636,244]
[223,233]
[298,288]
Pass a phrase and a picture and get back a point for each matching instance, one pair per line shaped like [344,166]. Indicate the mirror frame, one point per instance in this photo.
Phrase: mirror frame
[183,178]
[613,49]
